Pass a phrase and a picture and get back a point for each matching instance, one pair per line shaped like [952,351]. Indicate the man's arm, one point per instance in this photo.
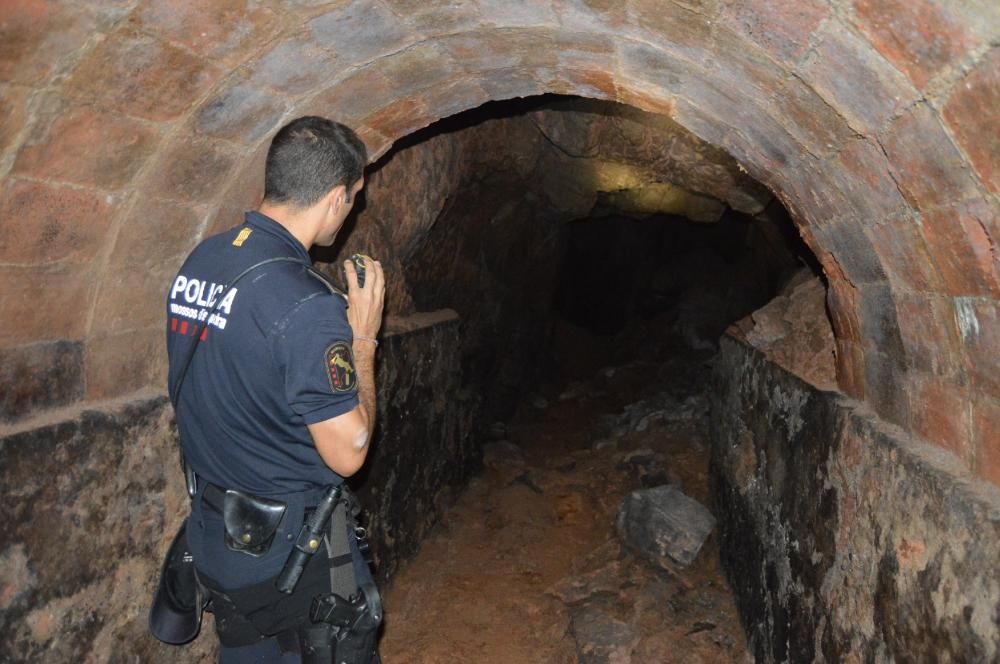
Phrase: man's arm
[342,441]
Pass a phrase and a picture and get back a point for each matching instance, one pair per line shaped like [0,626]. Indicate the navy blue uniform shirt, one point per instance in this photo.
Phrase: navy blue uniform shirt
[274,357]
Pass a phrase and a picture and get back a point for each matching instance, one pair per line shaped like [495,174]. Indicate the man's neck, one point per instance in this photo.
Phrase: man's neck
[296,221]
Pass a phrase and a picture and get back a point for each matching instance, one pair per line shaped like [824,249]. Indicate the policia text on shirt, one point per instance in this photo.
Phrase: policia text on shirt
[272,380]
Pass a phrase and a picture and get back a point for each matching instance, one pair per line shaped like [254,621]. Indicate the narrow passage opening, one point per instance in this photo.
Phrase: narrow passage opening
[595,255]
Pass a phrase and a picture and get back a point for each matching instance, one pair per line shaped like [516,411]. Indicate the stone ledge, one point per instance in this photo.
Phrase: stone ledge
[842,535]
[91,494]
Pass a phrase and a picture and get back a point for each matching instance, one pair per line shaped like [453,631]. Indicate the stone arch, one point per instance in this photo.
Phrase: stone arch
[870,120]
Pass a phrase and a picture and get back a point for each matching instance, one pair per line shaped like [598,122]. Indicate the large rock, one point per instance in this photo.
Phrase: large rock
[601,639]
[794,330]
[664,525]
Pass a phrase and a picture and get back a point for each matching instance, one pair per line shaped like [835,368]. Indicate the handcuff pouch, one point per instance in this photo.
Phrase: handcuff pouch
[250,522]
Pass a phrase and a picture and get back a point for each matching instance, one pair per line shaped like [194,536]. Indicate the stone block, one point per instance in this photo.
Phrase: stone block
[460,95]
[854,251]
[400,118]
[511,83]
[574,51]
[920,37]
[483,52]
[86,145]
[861,172]
[241,112]
[41,223]
[842,303]
[853,78]
[295,65]
[140,76]
[591,15]
[245,193]
[153,226]
[13,113]
[128,299]
[38,38]
[643,97]
[437,18]
[761,143]
[40,375]
[353,98]
[416,69]
[41,303]
[591,83]
[959,241]
[517,13]
[814,192]
[223,31]
[879,322]
[783,28]
[929,169]
[687,31]
[121,362]
[970,112]
[377,144]
[979,328]
[654,66]
[929,332]
[808,118]
[904,255]
[986,432]
[941,414]
[664,526]
[361,31]
[192,170]
[850,359]
[885,389]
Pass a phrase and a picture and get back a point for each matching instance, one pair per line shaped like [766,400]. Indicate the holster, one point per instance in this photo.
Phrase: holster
[351,632]
[175,614]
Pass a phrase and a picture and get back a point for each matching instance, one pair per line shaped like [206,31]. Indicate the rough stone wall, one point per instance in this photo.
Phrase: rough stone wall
[846,539]
[90,501]
[128,125]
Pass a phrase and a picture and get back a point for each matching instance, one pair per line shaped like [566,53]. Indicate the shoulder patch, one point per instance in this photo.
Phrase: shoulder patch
[242,237]
[340,368]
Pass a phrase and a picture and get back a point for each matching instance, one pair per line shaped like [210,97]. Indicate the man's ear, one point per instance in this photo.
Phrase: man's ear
[337,197]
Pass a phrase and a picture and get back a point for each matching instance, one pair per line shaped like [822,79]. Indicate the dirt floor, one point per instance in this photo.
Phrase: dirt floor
[526,566]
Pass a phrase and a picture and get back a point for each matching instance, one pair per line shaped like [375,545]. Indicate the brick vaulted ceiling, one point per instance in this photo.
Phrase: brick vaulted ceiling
[131,129]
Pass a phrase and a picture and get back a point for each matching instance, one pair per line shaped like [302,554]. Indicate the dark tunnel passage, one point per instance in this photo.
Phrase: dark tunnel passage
[585,347]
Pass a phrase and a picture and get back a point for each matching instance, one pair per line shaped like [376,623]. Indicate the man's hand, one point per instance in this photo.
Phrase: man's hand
[342,441]
[364,313]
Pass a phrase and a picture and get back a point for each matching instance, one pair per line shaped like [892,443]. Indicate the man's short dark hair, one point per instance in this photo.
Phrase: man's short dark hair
[310,156]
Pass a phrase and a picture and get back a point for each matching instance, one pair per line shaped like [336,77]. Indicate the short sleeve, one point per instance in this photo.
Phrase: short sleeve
[312,347]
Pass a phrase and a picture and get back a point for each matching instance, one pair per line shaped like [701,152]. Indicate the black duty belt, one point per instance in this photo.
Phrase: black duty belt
[251,522]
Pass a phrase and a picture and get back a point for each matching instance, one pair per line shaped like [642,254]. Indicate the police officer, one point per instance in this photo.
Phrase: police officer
[273,383]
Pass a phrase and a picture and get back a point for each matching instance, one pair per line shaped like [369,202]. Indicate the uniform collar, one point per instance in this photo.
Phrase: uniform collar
[264,223]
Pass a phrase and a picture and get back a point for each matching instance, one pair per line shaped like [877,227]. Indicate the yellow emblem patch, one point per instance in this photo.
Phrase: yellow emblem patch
[340,368]
[242,237]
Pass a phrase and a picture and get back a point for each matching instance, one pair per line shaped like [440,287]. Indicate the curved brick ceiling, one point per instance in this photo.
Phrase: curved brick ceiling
[128,126]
